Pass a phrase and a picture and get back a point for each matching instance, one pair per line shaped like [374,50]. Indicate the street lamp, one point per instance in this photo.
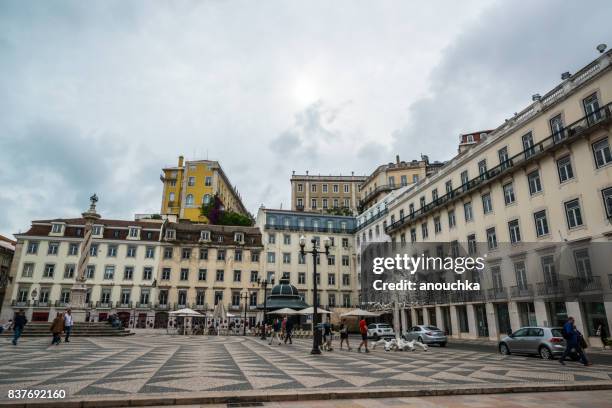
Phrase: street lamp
[264,283]
[315,252]
[245,296]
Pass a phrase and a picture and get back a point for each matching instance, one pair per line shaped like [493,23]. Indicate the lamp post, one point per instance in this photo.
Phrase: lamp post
[245,296]
[315,304]
[264,283]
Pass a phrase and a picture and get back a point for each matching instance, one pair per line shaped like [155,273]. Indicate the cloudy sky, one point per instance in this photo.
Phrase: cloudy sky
[97,96]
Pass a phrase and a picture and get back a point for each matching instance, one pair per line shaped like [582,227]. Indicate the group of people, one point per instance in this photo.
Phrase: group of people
[62,323]
[281,330]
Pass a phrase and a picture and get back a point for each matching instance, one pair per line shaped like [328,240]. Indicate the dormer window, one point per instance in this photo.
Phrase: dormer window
[239,237]
[204,236]
[57,228]
[134,232]
[96,230]
[220,238]
[170,234]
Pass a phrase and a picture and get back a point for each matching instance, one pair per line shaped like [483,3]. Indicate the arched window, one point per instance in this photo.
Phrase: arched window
[189,199]
[206,199]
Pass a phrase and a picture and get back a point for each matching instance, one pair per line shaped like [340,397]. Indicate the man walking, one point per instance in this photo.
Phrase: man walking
[288,331]
[68,324]
[18,325]
[57,327]
[572,339]
[363,329]
[276,327]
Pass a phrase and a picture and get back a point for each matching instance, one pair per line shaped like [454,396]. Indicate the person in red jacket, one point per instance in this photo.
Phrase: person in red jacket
[363,329]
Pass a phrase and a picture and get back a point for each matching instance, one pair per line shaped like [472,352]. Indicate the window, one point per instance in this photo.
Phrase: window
[467,210]
[208,181]
[254,277]
[165,274]
[515,232]
[404,180]
[331,260]
[564,167]
[191,181]
[301,278]
[90,272]
[449,186]
[541,223]
[186,253]
[347,203]
[203,254]
[331,279]
[28,270]
[171,199]
[503,156]
[300,202]
[150,252]
[482,168]
[313,188]
[300,187]
[422,202]
[471,241]
[201,274]
[271,238]
[324,188]
[607,199]
[111,251]
[206,199]
[271,257]
[238,255]
[434,194]
[487,205]
[237,276]
[410,209]
[144,296]
[69,271]
[128,273]
[56,228]
[49,271]
[331,300]
[220,255]
[184,275]
[131,251]
[255,256]
[528,145]
[109,272]
[346,188]
[556,128]
[93,250]
[392,181]
[346,279]
[345,260]
[437,225]
[535,185]
[601,151]
[415,178]
[301,259]
[491,238]
[521,274]
[424,231]
[413,235]
[573,214]
[189,199]
[96,230]
[550,273]
[53,248]
[325,203]
[147,273]
[464,179]
[219,275]
[73,249]
[509,197]
[170,234]
[496,278]
[591,108]
[168,253]
[133,232]
[451,219]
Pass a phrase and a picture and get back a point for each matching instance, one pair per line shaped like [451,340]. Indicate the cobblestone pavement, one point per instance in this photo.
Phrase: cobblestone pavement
[160,364]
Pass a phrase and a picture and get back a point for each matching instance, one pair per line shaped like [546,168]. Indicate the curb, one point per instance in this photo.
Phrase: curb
[201,398]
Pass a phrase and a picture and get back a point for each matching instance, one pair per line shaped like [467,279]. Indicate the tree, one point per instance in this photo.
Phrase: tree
[340,211]
[218,216]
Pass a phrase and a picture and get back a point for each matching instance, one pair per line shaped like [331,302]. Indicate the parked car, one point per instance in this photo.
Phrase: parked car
[426,334]
[379,331]
[547,342]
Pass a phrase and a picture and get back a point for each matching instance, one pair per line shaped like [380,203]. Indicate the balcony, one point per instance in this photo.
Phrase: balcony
[233,307]
[196,306]
[38,303]
[550,288]
[584,284]
[143,305]
[123,305]
[380,189]
[20,303]
[295,228]
[62,303]
[521,291]
[572,132]
[180,305]
[162,306]
[103,305]
[497,294]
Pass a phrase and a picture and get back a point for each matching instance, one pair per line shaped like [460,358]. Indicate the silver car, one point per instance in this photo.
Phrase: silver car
[379,331]
[546,342]
[426,334]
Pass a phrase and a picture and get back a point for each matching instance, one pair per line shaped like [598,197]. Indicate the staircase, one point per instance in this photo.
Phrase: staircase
[98,329]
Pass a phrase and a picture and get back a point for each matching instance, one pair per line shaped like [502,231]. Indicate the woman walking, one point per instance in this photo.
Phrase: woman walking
[344,335]
[57,327]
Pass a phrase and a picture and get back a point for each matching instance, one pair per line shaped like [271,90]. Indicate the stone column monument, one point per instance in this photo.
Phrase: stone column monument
[78,292]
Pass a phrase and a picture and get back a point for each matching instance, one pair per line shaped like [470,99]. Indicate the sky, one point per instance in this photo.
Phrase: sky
[98,96]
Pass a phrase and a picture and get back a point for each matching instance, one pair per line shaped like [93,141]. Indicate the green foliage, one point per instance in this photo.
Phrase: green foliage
[217,216]
[340,211]
[234,218]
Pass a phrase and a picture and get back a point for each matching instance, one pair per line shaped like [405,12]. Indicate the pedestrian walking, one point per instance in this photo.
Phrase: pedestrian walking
[327,336]
[276,328]
[18,325]
[344,335]
[573,339]
[284,327]
[289,331]
[57,327]
[68,322]
[363,329]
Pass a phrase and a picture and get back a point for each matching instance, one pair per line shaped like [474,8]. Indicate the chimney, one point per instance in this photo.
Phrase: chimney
[397,158]
[180,163]
[306,172]
[565,75]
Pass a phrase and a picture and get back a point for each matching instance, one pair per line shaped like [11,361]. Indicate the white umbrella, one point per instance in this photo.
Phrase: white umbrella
[284,311]
[310,310]
[186,312]
[219,312]
[359,312]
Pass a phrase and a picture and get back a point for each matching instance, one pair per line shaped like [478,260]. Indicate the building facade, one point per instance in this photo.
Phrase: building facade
[192,183]
[542,178]
[203,265]
[7,251]
[338,281]
[325,193]
[391,176]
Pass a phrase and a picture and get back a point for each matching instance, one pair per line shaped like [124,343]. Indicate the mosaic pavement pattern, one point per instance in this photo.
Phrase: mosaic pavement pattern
[151,364]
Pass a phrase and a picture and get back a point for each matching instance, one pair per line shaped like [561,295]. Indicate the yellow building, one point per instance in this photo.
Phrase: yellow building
[193,183]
